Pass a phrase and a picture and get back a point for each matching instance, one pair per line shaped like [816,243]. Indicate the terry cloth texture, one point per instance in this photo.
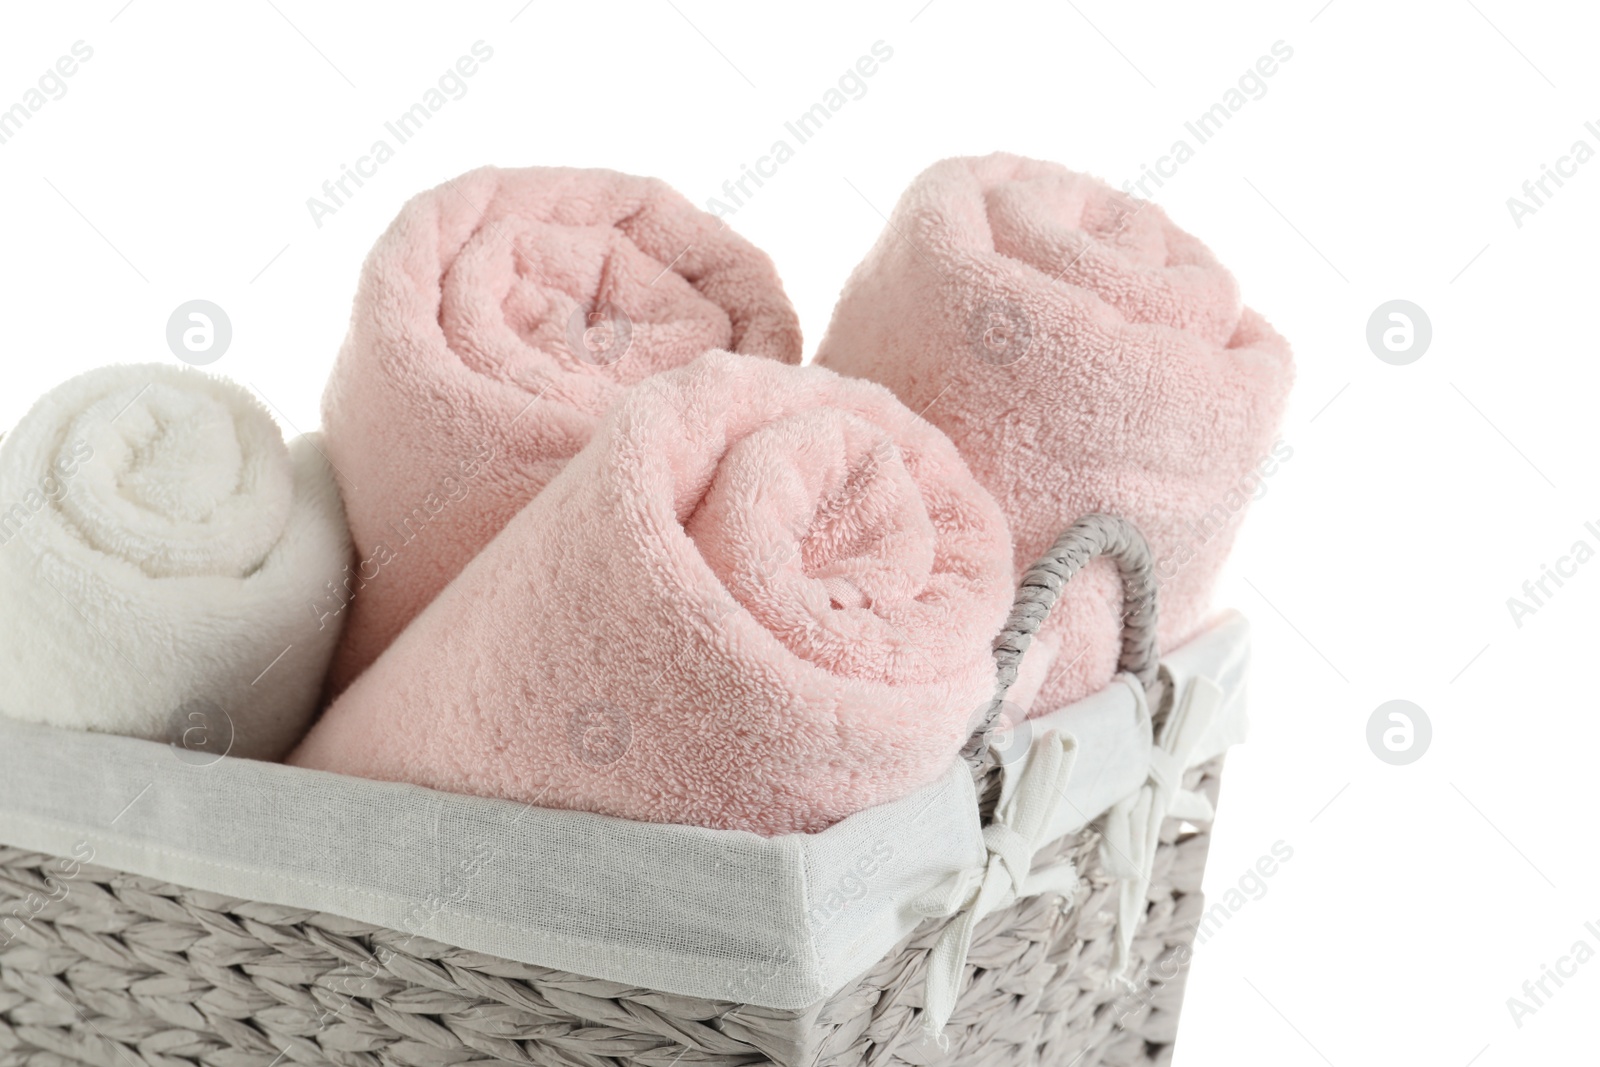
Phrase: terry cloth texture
[496,320]
[762,598]
[1085,355]
[160,553]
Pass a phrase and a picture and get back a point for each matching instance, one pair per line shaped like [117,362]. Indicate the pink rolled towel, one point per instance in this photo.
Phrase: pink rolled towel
[1085,355]
[497,319]
[761,598]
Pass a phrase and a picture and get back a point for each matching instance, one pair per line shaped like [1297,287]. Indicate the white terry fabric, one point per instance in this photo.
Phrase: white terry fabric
[781,922]
[162,556]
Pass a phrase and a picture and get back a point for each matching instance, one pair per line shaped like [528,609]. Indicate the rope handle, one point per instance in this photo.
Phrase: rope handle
[1091,537]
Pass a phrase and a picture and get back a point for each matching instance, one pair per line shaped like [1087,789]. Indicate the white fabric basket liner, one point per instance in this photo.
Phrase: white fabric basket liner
[780,922]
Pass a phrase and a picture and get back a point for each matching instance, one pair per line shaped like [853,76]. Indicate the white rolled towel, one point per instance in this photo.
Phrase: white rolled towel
[163,556]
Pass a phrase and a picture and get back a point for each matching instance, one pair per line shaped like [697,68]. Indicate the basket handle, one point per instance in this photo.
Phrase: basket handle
[1090,537]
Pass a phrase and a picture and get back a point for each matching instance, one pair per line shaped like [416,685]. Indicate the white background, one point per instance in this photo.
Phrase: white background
[1378,565]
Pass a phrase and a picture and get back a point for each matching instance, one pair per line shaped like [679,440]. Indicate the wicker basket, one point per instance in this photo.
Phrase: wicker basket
[126,970]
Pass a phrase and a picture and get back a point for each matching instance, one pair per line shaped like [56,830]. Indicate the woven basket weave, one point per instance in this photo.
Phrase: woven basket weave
[124,970]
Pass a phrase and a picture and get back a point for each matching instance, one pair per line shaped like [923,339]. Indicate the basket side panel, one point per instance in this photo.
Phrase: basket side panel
[1039,987]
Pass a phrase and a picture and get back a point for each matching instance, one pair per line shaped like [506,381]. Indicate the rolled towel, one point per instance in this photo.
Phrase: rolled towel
[762,598]
[160,553]
[1085,355]
[497,319]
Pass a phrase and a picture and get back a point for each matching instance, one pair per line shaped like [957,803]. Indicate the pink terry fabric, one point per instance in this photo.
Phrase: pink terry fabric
[761,598]
[1085,355]
[497,319]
